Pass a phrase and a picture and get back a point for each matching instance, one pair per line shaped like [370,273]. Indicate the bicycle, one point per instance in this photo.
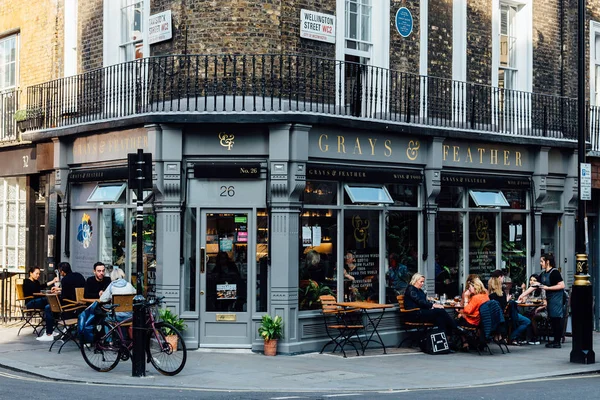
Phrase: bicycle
[112,342]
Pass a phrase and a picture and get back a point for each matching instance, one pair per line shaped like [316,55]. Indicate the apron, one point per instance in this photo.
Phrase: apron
[553,297]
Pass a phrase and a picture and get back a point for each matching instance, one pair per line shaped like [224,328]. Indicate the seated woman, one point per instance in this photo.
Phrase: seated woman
[522,322]
[31,286]
[466,293]
[414,297]
[118,285]
[537,314]
[476,296]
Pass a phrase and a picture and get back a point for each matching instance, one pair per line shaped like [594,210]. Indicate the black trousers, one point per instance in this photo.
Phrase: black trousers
[440,318]
[557,328]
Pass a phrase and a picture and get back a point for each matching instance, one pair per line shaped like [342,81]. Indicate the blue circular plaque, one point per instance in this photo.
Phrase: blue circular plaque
[404,22]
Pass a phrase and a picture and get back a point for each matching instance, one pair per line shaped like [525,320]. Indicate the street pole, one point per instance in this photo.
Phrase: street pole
[581,294]
[138,366]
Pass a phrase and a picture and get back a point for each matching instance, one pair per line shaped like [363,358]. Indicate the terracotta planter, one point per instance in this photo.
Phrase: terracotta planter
[270,347]
[172,340]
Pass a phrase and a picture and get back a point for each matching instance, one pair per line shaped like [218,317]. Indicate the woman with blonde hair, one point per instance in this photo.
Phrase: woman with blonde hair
[414,297]
[477,295]
[522,322]
[465,294]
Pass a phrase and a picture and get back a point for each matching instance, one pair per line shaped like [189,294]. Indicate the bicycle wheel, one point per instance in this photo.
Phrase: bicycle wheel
[103,354]
[167,358]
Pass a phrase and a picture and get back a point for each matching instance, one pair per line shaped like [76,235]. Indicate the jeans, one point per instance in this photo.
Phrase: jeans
[39,304]
[522,324]
[49,320]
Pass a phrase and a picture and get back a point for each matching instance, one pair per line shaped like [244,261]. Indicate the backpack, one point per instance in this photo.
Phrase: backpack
[434,341]
[86,322]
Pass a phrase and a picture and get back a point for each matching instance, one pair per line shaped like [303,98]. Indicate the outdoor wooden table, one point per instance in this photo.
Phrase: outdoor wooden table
[530,304]
[372,322]
[89,301]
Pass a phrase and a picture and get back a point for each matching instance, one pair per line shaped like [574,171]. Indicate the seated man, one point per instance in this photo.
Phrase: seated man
[70,280]
[96,284]
[118,286]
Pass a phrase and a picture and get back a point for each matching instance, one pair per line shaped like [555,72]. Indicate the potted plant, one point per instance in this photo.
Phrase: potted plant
[271,329]
[166,315]
[20,116]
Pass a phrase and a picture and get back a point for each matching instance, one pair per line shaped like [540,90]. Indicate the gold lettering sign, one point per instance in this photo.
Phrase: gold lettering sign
[226,317]
[226,140]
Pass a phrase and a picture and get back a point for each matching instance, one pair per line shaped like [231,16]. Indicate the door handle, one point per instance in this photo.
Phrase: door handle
[202,259]
[202,293]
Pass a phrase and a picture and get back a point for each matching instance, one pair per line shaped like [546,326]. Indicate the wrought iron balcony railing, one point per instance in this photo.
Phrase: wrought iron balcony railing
[295,84]
[9,104]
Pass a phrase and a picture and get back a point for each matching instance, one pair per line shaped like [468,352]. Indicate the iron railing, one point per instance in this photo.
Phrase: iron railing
[294,84]
[9,104]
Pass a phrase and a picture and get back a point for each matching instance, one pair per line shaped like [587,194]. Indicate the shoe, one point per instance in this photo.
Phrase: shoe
[56,333]
[45,338]
[533,342]
[513,343]
[553,345]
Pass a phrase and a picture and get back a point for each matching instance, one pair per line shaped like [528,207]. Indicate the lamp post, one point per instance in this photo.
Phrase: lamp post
[581,295]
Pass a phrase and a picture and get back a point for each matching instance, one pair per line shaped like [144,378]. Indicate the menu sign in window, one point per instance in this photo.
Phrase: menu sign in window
[482,245]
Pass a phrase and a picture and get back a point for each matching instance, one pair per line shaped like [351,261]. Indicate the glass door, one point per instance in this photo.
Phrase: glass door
[225,251]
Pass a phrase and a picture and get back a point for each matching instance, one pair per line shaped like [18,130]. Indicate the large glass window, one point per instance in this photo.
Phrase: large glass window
[132,30]
[13,196]
[482,244]
[8,62]
[361,255]
[318,257]
[189,271]
[262,257]
[507,72]
[514,249]
[358,24]
[113,239]
[449,253]
[402,262]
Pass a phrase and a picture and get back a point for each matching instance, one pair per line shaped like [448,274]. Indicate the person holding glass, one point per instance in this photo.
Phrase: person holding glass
[520,322]
[415,297]
[470,317]
[538,314]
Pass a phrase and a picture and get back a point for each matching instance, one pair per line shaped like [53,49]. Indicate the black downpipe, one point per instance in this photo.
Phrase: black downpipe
[68,218]
[532,213]
[425,220]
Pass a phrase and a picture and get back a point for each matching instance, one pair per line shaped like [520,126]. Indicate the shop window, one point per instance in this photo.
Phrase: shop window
[514,249]
[368,195]
[318,252]
[482,244]
[403,262]
[517,199]
[451,197]
[13,224]
[113,240]
[262,260]
[320,193]
[449,253]
[189,271]
[484,198]
[361,255]
[108,193]
[148,251]
[404,195]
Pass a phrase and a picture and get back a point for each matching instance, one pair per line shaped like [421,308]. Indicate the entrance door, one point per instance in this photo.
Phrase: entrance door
[224,286]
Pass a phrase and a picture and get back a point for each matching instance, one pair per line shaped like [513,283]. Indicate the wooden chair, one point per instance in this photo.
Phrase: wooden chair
[80,295]
[28,315]
[124,302]
[341,325]
[409,322]
[65,319]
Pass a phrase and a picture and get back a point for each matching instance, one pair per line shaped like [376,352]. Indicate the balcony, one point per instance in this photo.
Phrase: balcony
[9,104]
[292,85]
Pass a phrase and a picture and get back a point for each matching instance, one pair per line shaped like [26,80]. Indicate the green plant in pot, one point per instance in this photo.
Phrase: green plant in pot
[271,330]
[166,315]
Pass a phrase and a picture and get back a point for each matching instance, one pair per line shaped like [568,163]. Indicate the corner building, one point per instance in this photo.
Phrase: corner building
[282,164]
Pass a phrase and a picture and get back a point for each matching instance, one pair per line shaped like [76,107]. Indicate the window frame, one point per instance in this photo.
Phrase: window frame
[594,63]
[3,41]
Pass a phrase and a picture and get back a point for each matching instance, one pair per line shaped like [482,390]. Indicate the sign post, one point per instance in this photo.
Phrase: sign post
[140,177]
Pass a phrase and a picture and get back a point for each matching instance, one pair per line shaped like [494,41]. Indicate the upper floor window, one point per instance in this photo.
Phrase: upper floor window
[132,30]
[507,71]
[358,26]
[595,62]
[8,62]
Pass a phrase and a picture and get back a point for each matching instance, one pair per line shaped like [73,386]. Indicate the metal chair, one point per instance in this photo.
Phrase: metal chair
[28,315]
[66,320]
[410,323]
[341,325]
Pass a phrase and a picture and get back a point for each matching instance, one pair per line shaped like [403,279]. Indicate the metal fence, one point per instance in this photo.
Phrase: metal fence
[9,104]
[294,84]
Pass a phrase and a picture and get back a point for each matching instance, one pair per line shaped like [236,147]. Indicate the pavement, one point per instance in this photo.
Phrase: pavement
[233,370]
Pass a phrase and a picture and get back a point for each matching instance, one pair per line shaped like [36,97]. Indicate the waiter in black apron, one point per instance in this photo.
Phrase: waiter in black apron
[553,284]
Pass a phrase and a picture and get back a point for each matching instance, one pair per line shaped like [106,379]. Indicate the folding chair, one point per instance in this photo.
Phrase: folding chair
[65,319]
[340,324]
[409,322]
[28,315]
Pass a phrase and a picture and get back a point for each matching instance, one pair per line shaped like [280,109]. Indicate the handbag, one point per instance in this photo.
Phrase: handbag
[434,341]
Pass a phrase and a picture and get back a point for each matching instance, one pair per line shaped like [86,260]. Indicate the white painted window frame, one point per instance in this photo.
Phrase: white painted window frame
[112,31]
[16,83]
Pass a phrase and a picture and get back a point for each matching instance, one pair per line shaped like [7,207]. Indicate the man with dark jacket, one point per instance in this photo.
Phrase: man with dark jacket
[69,282]
[95,285]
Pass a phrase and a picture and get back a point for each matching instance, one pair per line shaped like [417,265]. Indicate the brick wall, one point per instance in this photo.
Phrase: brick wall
[479,41]
[404,52]
[40,30]
[440,39]
[90,31]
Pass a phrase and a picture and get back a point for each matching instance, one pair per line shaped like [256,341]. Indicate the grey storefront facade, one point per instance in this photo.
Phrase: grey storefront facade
[238,212]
